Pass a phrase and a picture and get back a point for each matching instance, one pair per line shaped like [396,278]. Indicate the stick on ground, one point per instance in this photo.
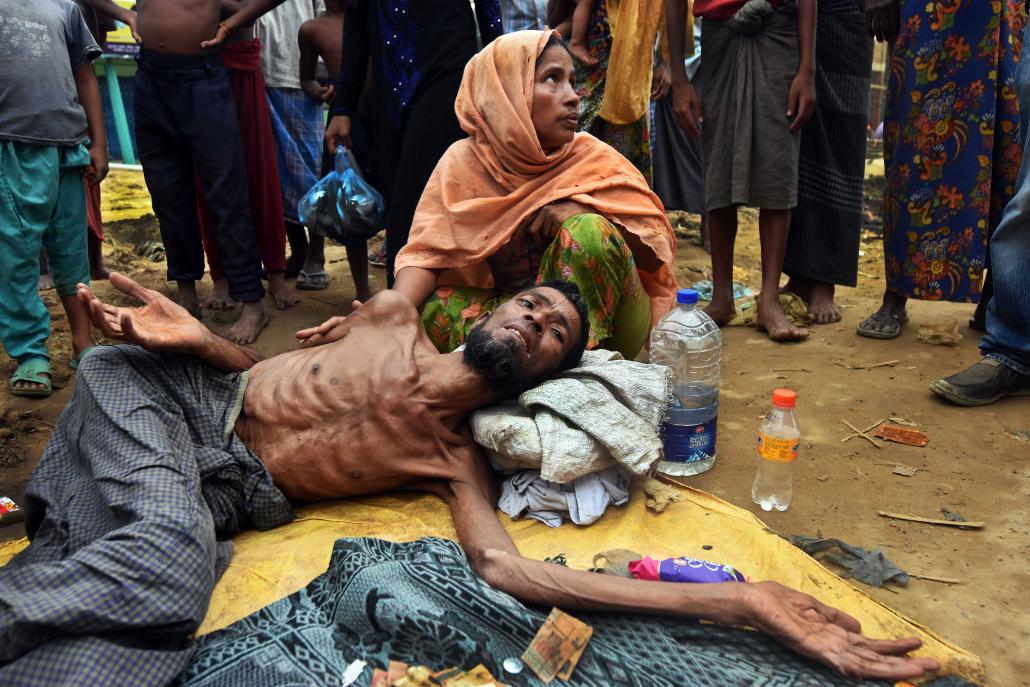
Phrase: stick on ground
[963,524]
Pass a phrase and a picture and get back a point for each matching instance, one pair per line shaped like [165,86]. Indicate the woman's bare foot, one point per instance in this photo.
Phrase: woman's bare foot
[773,321]
[252,320]
[821,304]
[580,52]
[282,293]
[187,297]
[46,282]
[721,311]
[219,298]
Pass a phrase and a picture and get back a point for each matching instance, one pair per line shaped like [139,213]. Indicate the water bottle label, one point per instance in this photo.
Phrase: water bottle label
[779,450]
[689,443]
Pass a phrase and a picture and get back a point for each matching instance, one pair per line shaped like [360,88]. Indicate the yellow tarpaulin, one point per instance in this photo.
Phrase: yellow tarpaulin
[267,566]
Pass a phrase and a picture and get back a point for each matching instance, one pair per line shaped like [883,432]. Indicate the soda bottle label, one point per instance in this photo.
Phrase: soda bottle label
[779,450]
[690,443]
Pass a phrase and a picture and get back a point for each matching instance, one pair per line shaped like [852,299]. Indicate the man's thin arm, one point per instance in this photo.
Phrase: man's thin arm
[794,619]
[225,355]
[494,557]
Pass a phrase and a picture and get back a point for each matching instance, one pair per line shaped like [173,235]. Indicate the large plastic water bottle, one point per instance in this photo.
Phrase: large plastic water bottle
[689,342]
[778,440]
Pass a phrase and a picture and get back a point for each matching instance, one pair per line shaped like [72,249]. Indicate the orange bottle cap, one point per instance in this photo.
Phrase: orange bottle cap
[784,398]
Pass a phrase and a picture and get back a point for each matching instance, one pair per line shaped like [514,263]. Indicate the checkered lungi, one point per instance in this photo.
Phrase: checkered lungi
[129,514]
[299,126]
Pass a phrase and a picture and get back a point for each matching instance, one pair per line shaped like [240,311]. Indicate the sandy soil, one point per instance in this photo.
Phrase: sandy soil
[976,462]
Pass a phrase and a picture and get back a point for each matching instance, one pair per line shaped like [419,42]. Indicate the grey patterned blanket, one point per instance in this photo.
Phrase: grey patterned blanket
[421,603]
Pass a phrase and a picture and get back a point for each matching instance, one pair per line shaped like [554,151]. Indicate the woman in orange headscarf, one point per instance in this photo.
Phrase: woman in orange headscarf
[525,199]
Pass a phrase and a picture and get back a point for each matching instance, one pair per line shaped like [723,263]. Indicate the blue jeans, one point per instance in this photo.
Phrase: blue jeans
[1008,314]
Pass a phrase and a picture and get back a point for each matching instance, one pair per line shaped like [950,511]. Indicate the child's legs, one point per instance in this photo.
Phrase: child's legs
[168,171]
[581,20]
[590,252]
[28,193]
[66,244]
[773,226]
[722,230]
[357,258]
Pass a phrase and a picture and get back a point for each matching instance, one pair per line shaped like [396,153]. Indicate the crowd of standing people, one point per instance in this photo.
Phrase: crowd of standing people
[703,106]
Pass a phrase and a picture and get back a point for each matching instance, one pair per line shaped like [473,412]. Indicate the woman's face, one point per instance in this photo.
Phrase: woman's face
[555,103]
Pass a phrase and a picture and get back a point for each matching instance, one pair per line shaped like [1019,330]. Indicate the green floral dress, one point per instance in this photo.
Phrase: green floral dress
[589,251]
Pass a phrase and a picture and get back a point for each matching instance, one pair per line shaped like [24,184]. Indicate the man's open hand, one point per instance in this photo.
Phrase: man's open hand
[158,325]
[832,637]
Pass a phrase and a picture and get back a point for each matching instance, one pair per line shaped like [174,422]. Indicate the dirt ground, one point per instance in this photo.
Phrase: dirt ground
[976,462]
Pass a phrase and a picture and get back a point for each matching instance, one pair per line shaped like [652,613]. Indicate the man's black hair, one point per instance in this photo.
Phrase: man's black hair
[573,296]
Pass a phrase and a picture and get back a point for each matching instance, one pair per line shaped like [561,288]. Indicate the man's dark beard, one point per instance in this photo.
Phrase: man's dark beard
[497,361]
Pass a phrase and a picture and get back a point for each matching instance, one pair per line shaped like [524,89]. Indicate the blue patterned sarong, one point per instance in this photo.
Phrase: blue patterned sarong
[299,126]
[129,515]
[422,604]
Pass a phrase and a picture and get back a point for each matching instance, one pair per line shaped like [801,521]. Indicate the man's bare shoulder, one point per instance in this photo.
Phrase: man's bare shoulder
[389,307]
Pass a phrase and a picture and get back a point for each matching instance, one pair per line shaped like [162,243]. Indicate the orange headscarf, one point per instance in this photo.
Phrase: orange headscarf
[487,185]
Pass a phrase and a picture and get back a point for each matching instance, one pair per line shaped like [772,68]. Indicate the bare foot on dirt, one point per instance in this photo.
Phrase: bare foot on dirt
[219,298]
[773,321]
[282,293]
[252,320]
[721,311]
[821,304]
[46,282]
[187,297]
[580,52]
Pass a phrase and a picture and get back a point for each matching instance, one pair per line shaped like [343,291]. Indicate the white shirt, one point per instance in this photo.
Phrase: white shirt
[280,54]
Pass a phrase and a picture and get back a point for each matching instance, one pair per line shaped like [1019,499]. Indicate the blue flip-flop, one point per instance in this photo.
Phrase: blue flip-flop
[36,371]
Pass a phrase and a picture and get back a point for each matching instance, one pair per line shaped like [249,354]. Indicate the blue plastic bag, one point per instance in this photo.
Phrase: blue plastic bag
[343,206]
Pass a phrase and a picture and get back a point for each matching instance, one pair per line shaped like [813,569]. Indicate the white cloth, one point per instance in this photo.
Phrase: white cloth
[583,501]
[608,411]
[280,54]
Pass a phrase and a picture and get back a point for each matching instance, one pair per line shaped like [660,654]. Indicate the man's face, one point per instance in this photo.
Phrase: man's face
[524,340]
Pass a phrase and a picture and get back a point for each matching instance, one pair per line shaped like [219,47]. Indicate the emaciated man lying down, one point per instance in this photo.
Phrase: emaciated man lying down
[172,445]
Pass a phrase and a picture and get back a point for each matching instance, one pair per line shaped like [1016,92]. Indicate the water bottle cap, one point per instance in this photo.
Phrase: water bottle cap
[784,398]
[686,296]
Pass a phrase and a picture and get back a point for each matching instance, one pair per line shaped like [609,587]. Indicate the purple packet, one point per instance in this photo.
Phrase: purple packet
[691,570]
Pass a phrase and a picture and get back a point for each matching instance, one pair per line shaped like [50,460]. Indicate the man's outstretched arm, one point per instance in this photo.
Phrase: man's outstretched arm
[160,324]
[796,620]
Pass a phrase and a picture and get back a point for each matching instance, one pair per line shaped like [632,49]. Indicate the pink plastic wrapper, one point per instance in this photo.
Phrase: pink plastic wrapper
[683,570]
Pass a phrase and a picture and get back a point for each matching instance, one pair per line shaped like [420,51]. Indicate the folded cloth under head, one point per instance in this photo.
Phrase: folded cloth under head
[608,411]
